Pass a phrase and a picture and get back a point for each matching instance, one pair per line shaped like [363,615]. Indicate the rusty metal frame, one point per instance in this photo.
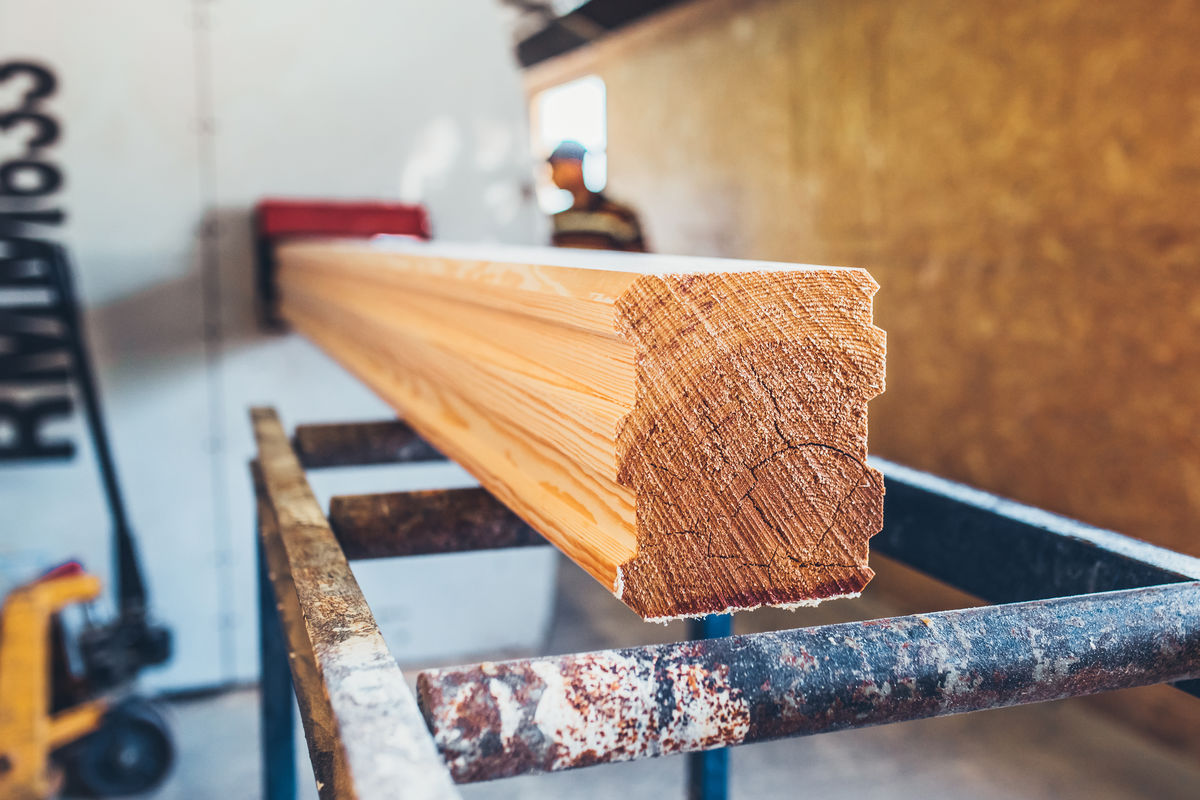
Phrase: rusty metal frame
[365,735]
[1084,610]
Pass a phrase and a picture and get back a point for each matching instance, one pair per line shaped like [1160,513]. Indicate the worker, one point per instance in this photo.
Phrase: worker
[593,221]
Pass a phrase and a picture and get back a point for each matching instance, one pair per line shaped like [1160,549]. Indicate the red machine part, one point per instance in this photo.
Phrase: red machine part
[276,218]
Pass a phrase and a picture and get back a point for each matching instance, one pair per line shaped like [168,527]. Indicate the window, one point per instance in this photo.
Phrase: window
[575,110]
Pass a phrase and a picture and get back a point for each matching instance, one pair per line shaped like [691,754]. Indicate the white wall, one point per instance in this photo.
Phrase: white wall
[178,115]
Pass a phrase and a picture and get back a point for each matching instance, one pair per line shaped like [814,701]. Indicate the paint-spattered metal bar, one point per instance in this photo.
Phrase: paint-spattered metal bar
[1006,552]
[494,720]
[360,443]
[420,523]
[366,737]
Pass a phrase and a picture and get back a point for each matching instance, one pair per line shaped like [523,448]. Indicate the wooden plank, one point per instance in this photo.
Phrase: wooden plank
[422,523]
[690,431]
[366,736]
[360,443]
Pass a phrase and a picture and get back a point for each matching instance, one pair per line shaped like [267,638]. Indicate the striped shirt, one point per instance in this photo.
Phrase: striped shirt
[601,225]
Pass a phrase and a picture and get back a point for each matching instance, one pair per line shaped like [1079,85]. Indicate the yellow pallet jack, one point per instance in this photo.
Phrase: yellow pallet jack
[29,731]
[67,716]
[51,727]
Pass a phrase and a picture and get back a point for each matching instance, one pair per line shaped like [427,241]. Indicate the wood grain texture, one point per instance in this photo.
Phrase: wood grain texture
[1020,177]
[692,432]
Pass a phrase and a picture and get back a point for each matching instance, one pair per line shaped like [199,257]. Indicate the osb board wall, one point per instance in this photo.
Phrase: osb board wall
[1023,179]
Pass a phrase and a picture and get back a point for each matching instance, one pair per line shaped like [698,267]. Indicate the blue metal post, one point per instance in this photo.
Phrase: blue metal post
[708,771]
[275,696]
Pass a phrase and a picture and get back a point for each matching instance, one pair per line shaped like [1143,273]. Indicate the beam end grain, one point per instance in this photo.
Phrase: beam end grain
[746,447]
[692,432]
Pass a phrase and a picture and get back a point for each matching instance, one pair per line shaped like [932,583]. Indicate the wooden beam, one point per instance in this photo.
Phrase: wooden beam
[692,432]
[421,523]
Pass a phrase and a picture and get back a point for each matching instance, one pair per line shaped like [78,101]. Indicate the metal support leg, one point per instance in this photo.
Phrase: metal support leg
[275,696]
[708,771]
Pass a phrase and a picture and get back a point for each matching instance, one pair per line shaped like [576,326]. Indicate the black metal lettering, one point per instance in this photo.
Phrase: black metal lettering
[13,221]
[25,421]
[36,336]
[47,178]
[25,262]
[44,82]
[33,347]
[47,128]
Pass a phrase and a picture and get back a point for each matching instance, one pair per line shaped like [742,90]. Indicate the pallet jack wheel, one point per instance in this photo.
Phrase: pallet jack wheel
[130,753]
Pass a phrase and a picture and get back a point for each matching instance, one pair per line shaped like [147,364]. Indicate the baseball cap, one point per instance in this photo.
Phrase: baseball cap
[568,150]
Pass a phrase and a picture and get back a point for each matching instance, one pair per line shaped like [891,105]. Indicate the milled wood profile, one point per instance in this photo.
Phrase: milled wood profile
[693,432]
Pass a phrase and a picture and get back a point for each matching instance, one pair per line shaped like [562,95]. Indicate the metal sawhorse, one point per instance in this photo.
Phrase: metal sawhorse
[1085,611]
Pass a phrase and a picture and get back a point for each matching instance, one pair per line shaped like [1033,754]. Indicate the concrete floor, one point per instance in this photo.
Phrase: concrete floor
[1056,750]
